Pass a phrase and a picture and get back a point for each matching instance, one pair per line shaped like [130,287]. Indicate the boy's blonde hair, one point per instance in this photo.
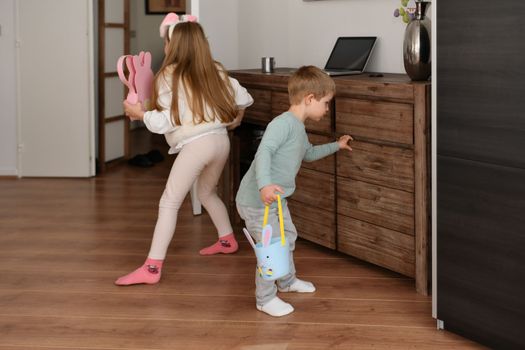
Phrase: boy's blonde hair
[309,80]
[205,81]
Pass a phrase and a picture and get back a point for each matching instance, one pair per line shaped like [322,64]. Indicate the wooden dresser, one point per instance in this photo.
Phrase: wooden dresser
[373,203]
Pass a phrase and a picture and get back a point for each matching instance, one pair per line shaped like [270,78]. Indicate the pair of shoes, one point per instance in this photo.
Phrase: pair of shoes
[141,161]
[276,307]
[155,156]
[299,286]
[146,160]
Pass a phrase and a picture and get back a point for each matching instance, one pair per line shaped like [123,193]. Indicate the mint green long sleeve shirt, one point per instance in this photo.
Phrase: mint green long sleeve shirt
[278,159]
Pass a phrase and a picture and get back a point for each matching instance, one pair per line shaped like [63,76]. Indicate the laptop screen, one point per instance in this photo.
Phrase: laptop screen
[350,53]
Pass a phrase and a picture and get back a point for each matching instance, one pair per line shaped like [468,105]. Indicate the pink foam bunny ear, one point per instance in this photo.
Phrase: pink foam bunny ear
[170,19]
[132,93]
[143,76]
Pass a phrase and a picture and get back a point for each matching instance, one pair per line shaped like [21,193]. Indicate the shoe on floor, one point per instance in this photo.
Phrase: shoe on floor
[141,161]
[276,307]
[155,156]
[299,286]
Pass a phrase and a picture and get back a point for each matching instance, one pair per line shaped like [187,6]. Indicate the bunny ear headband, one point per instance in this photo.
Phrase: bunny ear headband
[170,21]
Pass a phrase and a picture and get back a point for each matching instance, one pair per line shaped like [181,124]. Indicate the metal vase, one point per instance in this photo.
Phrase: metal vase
[416,44]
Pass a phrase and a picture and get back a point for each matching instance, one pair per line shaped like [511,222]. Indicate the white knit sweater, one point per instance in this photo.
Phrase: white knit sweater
[160,122]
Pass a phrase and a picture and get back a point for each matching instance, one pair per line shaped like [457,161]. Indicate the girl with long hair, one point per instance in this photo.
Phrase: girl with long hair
[194,102]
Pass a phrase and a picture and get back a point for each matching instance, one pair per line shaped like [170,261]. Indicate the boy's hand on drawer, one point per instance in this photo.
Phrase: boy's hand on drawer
[268,195]
[343,142]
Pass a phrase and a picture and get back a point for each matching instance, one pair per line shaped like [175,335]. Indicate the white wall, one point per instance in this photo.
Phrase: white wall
[295,32]
[316,25]
[264,30]
[220,20]
[8,129]
[146,28]
[298,32]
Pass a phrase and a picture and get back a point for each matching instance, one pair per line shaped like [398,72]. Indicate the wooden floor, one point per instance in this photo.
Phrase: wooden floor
[64,241]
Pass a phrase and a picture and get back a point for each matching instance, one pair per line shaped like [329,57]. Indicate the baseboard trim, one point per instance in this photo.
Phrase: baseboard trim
[8,173]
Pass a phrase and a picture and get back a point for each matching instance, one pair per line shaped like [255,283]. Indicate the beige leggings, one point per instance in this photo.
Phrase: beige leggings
[201,159]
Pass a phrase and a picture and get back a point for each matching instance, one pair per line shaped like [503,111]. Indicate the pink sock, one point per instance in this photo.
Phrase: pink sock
[149,273]
[226,245]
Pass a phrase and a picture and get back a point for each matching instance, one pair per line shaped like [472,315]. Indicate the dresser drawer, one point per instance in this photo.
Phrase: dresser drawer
[382,206]
[391,86]
[314,224]
[375,244]
[378,120]
[315,189]
[281,103]
[261,109]
[378,164]
[326,164]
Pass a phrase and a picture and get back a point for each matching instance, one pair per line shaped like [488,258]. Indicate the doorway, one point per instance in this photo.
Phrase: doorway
[124,27]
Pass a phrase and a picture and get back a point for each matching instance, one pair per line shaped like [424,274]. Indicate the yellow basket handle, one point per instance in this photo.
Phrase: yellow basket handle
[281,221]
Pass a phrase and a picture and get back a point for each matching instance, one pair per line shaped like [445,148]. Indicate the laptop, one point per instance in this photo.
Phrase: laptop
[350,55]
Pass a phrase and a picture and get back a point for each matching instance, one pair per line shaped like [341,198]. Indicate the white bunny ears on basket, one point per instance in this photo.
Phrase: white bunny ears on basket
[273,255]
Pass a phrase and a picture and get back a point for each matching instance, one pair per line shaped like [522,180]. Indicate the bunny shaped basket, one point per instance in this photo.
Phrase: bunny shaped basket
[273,254]
[140,78]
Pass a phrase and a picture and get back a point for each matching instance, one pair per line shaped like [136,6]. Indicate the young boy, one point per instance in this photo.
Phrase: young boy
[278,159]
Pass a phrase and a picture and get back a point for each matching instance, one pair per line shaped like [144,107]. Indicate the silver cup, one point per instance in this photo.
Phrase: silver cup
[267,64]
